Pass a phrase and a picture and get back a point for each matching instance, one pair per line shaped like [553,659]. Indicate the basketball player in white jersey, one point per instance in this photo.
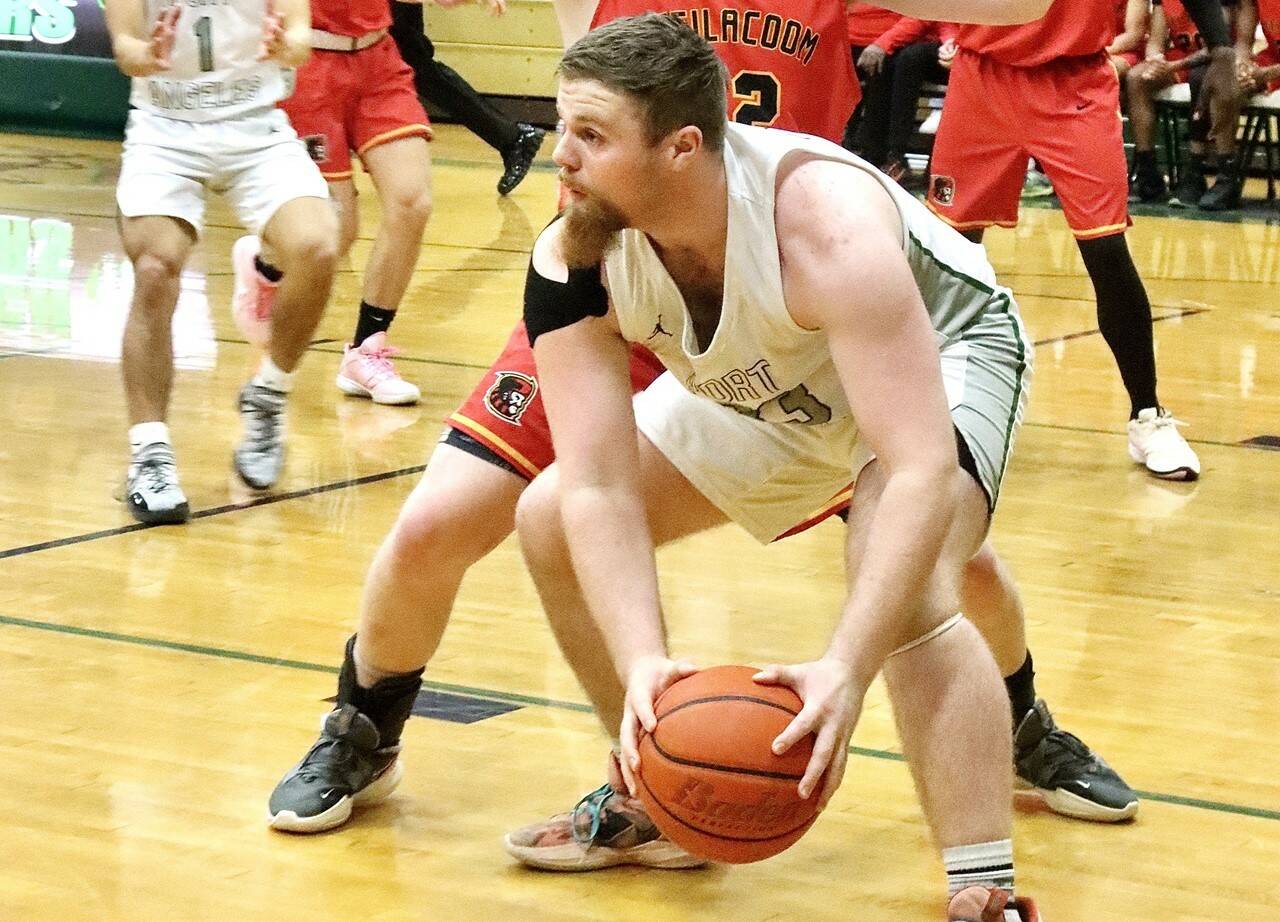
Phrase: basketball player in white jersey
[818,326]
[207,75]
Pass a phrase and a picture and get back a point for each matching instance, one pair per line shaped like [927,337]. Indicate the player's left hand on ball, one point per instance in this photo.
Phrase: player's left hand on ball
[272,34]
[832,704]
[650,676]
[497,7]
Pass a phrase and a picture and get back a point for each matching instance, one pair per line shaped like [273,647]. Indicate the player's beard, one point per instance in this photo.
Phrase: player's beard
[590,229]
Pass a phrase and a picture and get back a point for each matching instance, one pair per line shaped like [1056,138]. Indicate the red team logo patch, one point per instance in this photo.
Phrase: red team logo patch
[510,395]
[942,190]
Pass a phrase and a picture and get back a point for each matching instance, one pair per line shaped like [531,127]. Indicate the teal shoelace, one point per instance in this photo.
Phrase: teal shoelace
[584,821]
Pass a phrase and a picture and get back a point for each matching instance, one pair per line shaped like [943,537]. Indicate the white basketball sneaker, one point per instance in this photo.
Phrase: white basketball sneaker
[1154,441]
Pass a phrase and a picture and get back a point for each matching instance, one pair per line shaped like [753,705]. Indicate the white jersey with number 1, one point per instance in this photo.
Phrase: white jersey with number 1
[213,74]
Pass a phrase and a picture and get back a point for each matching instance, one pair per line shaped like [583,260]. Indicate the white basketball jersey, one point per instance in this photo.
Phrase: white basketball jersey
[212,73]
[759,362]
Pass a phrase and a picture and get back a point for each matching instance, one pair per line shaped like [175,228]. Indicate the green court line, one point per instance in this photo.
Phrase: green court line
[513,698]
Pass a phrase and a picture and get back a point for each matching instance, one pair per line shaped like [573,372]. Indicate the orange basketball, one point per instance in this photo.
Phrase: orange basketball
[708,777]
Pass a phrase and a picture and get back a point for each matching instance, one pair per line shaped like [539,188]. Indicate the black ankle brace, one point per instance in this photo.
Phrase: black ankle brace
[388,703]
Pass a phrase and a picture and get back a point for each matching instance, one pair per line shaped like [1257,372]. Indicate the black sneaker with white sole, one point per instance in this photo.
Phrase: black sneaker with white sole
[1066,774]
[347,766]
[356,759]
[151,488]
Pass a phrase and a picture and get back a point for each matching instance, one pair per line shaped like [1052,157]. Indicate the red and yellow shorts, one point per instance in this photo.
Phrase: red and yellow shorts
[1065,113]
[505,412]
[354,101]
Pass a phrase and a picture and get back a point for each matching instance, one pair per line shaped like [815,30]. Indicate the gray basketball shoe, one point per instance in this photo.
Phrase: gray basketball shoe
[259,457]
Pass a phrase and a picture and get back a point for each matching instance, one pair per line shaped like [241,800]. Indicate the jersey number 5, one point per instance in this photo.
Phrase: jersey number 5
[759,98]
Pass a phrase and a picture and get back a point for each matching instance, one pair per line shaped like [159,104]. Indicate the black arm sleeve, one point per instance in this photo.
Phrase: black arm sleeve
[1207,15]
[552,305]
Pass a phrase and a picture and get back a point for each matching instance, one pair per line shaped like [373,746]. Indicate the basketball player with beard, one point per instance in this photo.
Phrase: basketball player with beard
[495,444]
[824,327]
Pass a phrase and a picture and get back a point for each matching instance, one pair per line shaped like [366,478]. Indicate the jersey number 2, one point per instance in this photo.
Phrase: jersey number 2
[204,37]
[759,97]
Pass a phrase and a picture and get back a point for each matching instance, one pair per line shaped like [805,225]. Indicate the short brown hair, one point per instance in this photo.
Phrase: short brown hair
[663,65]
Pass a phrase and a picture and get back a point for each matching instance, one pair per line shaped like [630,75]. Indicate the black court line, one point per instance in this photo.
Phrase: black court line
[253,503]
[486,694]
[311,347]
[1186,312]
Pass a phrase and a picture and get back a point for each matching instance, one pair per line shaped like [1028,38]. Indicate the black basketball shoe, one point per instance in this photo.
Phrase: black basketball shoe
[346,766]
[1191,186]
[518,156]
[1066,774]
[356,759]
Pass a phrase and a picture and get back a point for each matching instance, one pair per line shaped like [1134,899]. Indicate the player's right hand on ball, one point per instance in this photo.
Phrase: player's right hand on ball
[649,677]
[832,705]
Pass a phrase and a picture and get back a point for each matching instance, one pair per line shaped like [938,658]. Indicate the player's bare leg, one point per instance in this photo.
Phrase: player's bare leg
[462,508]
[676,509]
[401,172]
[1142,83]
[990,599]
[951,708]
[302,237]
[158,247]
[347,206]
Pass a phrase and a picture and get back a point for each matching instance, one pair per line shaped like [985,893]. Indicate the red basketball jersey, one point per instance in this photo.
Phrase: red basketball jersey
[1184,37]
[788,60]
[1070,29]
[1121,8]
[867,23]
[350,17]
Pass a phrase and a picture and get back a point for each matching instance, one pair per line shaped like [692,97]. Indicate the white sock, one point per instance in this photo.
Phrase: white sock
[144,434]
[271,376]
[986,864]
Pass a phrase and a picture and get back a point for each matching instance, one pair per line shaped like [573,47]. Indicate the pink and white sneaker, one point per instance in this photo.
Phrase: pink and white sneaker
[366,371]
[252,295]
